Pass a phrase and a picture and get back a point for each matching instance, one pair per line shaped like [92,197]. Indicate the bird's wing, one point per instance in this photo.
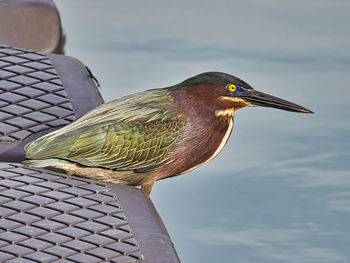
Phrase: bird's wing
[139,142]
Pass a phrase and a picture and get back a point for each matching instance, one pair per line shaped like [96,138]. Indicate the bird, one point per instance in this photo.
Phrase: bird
[153,134]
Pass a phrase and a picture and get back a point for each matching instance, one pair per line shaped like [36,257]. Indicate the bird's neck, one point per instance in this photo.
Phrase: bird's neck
[206,133]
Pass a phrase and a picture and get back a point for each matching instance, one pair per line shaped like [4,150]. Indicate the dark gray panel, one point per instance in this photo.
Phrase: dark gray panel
[47,218]
[31,24]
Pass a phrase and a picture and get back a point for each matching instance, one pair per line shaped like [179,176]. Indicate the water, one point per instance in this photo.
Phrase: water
[280,190]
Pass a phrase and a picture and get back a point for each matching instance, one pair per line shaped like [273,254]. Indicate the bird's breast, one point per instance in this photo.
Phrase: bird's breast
[218,144]
[202,140]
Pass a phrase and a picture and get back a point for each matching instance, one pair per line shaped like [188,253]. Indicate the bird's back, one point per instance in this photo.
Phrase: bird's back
[115,133]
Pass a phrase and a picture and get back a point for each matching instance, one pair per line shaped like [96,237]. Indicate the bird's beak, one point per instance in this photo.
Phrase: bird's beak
[257,98]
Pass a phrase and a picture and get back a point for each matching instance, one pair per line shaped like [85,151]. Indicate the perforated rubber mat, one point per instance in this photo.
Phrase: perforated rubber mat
[48,217]
[32,97]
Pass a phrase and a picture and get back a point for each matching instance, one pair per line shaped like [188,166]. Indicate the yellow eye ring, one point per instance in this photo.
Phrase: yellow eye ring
[231,88]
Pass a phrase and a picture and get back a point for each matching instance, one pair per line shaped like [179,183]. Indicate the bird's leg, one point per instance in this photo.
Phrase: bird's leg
[147,188]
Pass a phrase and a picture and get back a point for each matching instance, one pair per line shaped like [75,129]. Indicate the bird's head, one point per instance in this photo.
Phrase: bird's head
[228,93]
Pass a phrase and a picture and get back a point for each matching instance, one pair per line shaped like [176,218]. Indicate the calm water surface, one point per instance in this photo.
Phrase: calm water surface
[280,190]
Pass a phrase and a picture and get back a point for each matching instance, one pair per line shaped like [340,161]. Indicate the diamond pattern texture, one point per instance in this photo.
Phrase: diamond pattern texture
[32,97]
[47,217]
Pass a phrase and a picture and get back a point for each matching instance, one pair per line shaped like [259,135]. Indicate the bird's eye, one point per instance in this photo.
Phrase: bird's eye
[231,88]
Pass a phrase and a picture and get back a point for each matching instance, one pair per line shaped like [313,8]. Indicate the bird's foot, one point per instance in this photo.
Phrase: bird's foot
[147,188]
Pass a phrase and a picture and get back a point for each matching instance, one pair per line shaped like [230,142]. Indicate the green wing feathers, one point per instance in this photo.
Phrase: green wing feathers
[139,142]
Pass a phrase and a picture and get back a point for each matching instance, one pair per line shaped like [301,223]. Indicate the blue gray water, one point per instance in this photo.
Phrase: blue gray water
[280,190]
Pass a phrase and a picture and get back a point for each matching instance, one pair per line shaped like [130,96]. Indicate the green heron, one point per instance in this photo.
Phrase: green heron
[154,134]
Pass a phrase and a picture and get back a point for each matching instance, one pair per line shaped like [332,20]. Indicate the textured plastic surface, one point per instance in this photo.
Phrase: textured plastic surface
[46,216]
[149,230]
[39,93]
[32,96]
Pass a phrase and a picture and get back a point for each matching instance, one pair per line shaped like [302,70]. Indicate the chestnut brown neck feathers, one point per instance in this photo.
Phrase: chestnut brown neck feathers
[209,122]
